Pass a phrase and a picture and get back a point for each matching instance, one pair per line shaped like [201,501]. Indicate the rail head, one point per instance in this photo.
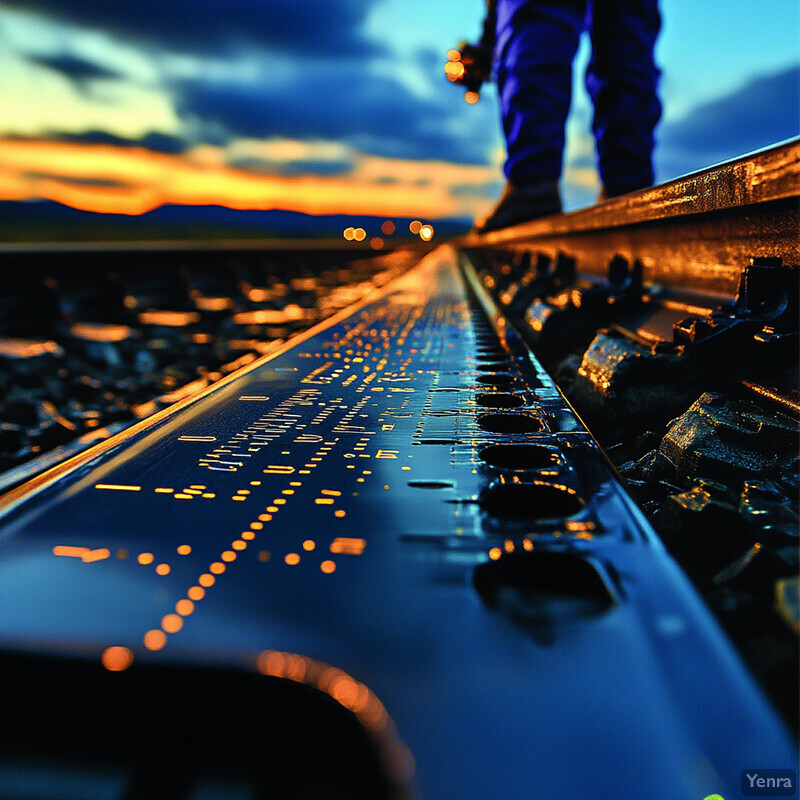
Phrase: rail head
[695,233]
[771,174]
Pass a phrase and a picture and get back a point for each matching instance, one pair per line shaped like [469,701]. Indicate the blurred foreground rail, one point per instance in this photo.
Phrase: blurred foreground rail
[387,558]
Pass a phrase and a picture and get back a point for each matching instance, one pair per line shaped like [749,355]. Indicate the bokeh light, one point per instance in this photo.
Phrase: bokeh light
[117,659]
[155,640]
[454,70]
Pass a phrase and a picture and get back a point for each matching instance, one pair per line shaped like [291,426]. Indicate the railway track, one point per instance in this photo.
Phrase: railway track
[388,558]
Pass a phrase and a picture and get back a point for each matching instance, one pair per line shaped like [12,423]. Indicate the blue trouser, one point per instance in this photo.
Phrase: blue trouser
[536,42]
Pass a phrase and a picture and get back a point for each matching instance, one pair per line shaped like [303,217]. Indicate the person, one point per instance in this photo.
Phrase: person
[535,43]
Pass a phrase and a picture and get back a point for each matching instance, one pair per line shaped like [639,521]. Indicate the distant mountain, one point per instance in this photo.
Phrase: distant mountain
[46,220]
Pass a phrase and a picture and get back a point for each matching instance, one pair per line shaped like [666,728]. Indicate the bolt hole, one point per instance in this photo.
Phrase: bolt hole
[519,456]
[543,587]
[509,423]
[499,400]
[496,379]
[531,501]
[494,366]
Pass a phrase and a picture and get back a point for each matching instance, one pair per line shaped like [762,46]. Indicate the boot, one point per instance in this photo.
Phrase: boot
[521,204]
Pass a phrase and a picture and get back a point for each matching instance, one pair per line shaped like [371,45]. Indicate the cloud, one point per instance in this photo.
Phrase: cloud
[75,180]
[374,113]
[259,166]
[302,70]
[762,112]
[79,70]
[288,157]
[154,141]
[332,27]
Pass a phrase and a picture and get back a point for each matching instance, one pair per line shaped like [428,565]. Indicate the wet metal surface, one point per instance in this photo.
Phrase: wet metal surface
[693,232]
[367,502]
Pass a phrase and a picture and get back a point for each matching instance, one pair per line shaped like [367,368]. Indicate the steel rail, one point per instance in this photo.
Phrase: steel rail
[403,513]
[696,232]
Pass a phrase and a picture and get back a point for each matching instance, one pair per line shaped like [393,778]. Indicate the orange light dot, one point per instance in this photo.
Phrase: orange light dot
[163,569]
[264,555]
[340,513]
[155,640]
[328,566]
[309,545]
[172,623]
[196,593]
[184,550]
[527,544]
[265,517]
[122,554]
[359,234]
[184,607]
[508,545]
[426,233]
[116,659]
[248,535]
[345,690]
[454,55]
[376,243]
[217,568]
[238,545]
[292,559]
[270,663]
[273,509]
[388,228]
[454,70]
[495,553]
[145,558]
[257,526]
[206,580]
[228,555]
[415,226]
[472,97]
[348,234]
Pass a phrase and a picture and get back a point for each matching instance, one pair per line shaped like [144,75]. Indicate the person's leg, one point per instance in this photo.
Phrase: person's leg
[536,42]
[622,79]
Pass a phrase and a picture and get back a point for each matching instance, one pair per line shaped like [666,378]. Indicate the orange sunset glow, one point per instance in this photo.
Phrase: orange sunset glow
[134,180]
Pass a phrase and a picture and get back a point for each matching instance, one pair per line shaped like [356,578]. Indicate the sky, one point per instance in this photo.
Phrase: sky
[337,106]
